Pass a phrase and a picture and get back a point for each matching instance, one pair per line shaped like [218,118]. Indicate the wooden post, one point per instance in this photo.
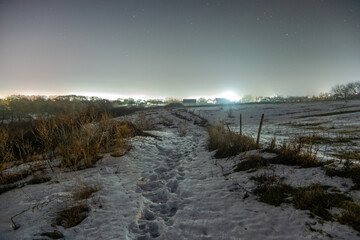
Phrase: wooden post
[258,136]
[240,125]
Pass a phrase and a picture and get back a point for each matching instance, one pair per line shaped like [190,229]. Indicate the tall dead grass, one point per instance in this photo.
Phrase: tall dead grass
[228,143]
[77,140]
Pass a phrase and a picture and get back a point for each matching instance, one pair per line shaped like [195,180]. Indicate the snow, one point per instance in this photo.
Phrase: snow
[171,187]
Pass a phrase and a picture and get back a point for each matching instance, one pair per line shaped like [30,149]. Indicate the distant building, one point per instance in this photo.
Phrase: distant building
[189,101]
[222,101]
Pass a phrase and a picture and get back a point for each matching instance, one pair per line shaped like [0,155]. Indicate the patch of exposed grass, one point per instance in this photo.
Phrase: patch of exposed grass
[274,193]
[350,215]
[348,155]
[7,188]
[265,178]
[317,200]
[296,155]
[253,162]
[8,178]
[72,216]
[306,125]
[37,179]
[84,192]
[53,235]
[228,143]
[316,139]
[352,172]
[144,122]
[314,198]
[313,139]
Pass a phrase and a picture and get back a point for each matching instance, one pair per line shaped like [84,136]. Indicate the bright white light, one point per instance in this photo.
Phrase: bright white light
[231,95]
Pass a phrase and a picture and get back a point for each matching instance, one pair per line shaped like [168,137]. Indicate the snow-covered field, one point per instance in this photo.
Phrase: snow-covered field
[287,121]
[171,187]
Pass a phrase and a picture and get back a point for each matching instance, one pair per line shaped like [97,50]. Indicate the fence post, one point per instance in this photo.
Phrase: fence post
[258,136]
[240,125]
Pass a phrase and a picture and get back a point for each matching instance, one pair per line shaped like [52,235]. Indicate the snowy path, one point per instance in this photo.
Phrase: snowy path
[166,188]
[187,197]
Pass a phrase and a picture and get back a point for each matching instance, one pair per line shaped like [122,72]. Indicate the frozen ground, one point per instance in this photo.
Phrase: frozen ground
[171,187]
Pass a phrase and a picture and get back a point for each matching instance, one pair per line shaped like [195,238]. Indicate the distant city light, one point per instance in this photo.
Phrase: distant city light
[231,95]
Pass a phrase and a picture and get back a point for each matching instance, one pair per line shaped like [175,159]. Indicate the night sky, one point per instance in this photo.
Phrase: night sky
[173,48]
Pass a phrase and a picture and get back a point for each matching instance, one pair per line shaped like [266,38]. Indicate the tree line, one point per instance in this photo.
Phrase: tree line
[346,91]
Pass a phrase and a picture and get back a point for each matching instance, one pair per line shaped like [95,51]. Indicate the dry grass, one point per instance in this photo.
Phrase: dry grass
[293,154]
[314,198]
[228,143]
[8,178]
[350,215]
[352,172]
[72,216]
[182,128]
[330,114]
[53,235]
[144,122]
[253,162]
[317,139]
[317,200]
[265,178]
[348,155]
[273,192]
[84,191]
[38,179]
